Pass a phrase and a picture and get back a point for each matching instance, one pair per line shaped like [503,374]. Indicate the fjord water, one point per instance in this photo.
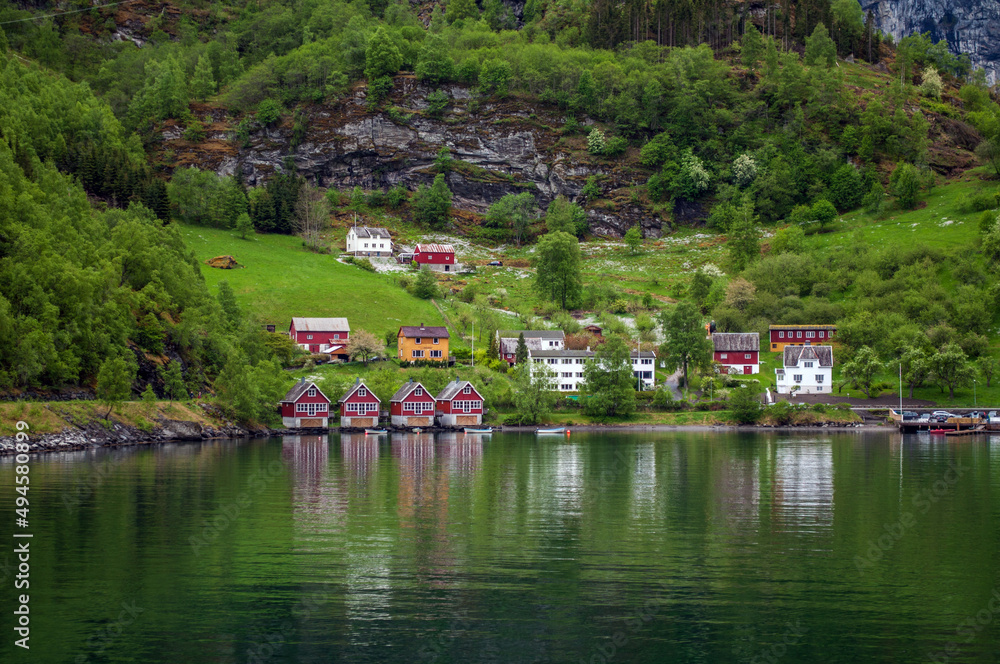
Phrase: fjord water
[614,547]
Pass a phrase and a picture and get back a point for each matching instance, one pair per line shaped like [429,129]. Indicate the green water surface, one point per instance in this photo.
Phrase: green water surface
[601,547]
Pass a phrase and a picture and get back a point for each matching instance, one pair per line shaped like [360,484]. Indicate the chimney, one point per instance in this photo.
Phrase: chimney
[357,381]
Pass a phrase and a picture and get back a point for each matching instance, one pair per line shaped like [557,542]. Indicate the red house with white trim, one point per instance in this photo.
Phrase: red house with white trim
[305,407]
[801,335]
[359,407]
[321,335]
[459,404]
[412,406]
[434,255]
[737,352]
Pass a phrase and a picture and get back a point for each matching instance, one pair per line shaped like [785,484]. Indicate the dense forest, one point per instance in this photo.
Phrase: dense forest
[732,115]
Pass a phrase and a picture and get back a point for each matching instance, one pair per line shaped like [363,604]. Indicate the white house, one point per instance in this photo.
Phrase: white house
[567,365]
[807,368]
[365,241]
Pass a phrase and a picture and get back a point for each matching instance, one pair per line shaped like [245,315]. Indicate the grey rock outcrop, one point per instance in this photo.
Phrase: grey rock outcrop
[969,26]
[499,147]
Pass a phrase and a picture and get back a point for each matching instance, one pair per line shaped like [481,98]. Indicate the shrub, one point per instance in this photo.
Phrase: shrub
[397,196]
[268,111]
[615,146]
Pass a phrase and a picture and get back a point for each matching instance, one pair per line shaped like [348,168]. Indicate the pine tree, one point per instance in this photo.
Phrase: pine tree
[203,83]
[752,47]
[521,354]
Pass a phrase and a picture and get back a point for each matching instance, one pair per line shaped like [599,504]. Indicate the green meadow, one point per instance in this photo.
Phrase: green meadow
[279,278]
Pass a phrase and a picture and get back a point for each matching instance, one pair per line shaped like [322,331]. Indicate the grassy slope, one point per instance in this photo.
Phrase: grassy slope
[281,279]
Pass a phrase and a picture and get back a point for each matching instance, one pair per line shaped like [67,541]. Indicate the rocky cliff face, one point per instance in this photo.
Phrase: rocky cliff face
[969,26]
[501,147]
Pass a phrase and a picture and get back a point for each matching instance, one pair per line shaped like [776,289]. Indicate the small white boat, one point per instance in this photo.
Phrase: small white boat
[556,430]
[471,430]
[375,432]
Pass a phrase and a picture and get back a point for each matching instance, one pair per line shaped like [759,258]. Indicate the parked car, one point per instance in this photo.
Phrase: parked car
[497,263]
[943,413]
[910,415]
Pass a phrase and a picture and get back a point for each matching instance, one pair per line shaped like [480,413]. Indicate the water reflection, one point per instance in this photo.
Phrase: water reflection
[543,548]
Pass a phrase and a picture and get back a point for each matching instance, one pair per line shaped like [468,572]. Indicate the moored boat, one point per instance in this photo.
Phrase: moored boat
[375,432]
[556,430]
[473,430]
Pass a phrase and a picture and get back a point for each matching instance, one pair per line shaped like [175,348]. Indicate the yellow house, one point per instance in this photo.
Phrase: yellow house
[423,343]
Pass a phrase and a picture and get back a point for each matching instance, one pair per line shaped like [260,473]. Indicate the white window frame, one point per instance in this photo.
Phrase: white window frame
[725,356]
[436,353]
[309,336]
[362,392]
[417,340]
[819,379]
[781,335]
[312,391]
[746,356]
[417,353]
[796,378]
[434,340]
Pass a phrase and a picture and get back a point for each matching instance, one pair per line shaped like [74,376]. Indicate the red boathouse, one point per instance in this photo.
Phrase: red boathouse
[459,405]
[359,407]
[305,407]
[412,406]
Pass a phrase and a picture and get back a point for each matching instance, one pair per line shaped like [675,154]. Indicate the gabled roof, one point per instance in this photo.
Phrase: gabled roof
[736,341]
[454,389]
[559,352]
[410,331]
[358,384]
[821,354]
[640,354]
[299,389]
[531,334]
[407,389]
[321,324]
[435,249]
[371,232]
[509,345]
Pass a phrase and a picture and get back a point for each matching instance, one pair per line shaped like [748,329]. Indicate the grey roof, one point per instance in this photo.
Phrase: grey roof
[321,324]
[358,383]
[299,389]
[745,341]
[822,354]
[532,334]
[411,331]
[408,387]
[557,352]
[452,389]
[372,232]
[645,353]
[509,345]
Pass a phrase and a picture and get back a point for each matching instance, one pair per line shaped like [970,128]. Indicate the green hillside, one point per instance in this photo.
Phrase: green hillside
[280,278]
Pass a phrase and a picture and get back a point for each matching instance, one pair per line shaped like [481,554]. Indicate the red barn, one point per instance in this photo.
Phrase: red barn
[321,335]
[305,407]
[412,406]
[801,335]
[459,404]
[738,353]
[359,407]
[435,254]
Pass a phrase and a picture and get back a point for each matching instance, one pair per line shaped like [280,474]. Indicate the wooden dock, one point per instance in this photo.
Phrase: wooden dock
[979,430]
[955,425]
